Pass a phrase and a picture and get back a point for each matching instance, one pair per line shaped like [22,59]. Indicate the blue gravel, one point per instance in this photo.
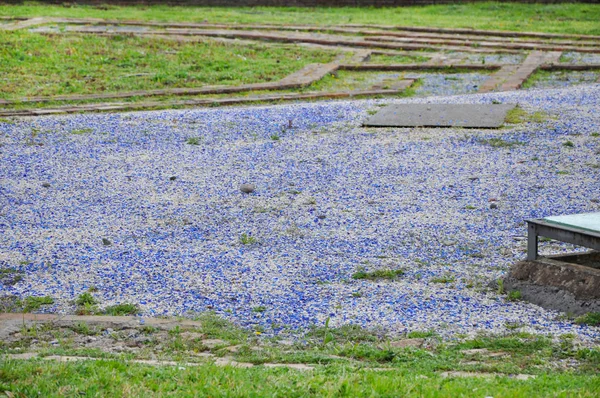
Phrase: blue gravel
[580,58]
[331,198]
[561,79]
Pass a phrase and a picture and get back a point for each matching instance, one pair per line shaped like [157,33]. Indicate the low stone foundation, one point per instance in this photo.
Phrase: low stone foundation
[567,283]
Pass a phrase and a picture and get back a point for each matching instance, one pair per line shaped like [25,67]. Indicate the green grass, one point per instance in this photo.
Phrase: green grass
[519,115]
[378,274]
[38,65]
[514,295]
[35,303]
[122,309]
[592,319]
[398,59]
[246,239]
[346,361]
[499,142]
[554,18]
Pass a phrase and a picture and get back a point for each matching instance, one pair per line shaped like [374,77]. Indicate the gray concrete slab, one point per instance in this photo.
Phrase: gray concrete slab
[441,115]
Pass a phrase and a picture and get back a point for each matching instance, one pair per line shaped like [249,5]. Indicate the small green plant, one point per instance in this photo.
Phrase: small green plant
[595,135]
[568,144]
[470,207]
[260,308]
[443,279]
[500,143]
[10,276]
[81,131]
[379,274]
[34,303]
[7,121]
[372,111]
[327,335]
[357,294]
[246,239]
[275,137]
[591,318]
[500,288]
[86,298]
[83,328]
[193,141]
[562,172]
[122,309]
[519,115]
[514,295]
[420,334]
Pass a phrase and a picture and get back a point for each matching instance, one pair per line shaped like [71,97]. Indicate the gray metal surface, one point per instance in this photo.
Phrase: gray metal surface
[441,115]
[564,233]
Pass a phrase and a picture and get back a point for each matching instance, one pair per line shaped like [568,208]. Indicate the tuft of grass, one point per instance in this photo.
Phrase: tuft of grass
[275,137]
[246,239]
[260,308]
[82,131]
[514,295]
[568,144]
[499,142]
[591,318]
[519,115]
[595,135]
[193,141]
[443,279]
[10,276]
[122,309]
[86,299]
[35,303]
[378,274]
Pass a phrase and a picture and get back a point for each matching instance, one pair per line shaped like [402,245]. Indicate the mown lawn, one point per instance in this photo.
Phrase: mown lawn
[33,64]
[556,18]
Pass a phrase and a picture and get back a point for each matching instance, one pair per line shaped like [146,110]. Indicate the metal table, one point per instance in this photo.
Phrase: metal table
[578,229]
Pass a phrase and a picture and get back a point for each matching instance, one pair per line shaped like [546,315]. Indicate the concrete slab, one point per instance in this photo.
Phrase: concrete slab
[441,115]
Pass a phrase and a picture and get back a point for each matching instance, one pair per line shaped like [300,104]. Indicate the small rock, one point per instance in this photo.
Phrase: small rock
[173,178]
[212,343]
[595,200]
[54,342]
[46,185]
[233,348]
[321,216]
[407,343]
[106,242]
[493,206]
[247,188]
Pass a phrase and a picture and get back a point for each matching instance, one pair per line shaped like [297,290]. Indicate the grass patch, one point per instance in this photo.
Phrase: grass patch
[554,18]
[378,274]
[35,303]
[246,239]
[592,319]
[514,295]
[443,279]
[518,115]
[10,276]
[122,309]
[193,141]
[500,143]
[397,59]
[38,65]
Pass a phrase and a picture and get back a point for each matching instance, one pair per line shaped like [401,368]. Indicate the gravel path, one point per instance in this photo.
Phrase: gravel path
[331,198]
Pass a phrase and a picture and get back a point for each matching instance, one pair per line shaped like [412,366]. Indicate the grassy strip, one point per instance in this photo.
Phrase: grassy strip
[346,361]
[34,64]
[117,379]
[553,18]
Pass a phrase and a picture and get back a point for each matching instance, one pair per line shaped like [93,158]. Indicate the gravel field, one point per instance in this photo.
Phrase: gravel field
[331,198]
